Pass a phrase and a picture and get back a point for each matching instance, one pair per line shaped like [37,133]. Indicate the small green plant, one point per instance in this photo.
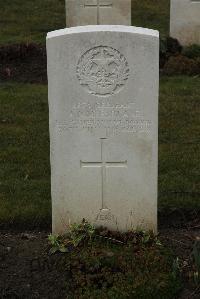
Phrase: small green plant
[57,244]
[196,259]
[148,237]
[77,233]
[81,232]
[175,268]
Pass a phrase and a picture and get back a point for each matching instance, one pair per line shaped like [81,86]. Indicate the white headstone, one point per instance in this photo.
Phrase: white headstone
[98,12]
[185,21]
[103,103]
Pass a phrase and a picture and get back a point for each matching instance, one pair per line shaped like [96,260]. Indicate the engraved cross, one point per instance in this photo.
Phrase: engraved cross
[103,164]
[98,5]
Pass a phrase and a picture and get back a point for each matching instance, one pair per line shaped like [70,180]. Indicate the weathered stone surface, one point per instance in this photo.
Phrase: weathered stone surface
[98,12]
[103,103]
[185,21]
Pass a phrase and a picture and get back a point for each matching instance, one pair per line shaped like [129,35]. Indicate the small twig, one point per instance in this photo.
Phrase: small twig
[190,237]
[177,241]
[195,292]
[196,226]
[110,239]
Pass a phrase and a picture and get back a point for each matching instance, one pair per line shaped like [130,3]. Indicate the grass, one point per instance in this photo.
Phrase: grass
[29,20]
[179,142]
[24,154]
[153,14]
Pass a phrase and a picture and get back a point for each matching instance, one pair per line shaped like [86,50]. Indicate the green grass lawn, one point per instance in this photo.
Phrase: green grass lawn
[30,20]
[179,142]
[153,14]
[24,154]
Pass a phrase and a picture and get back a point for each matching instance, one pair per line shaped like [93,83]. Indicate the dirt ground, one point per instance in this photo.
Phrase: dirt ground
[23,63]
[27,270]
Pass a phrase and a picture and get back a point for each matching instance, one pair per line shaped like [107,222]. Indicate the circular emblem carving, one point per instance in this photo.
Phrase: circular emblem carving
[102,71]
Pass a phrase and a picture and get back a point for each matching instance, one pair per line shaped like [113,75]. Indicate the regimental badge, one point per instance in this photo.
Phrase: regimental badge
[102,71]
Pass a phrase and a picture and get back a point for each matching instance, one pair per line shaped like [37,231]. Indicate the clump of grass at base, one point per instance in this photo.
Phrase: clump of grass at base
[115,265]
[195,273]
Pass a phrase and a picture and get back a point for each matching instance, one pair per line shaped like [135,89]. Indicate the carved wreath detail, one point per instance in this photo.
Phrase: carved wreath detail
[102,71]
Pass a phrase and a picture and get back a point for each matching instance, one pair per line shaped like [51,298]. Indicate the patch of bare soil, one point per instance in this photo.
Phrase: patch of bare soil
[23,63]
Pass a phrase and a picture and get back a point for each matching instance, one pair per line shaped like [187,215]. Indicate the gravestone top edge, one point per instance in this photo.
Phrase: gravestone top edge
[103,28]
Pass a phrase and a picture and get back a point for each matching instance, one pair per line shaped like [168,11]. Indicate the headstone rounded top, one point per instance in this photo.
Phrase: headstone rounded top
[103,28]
